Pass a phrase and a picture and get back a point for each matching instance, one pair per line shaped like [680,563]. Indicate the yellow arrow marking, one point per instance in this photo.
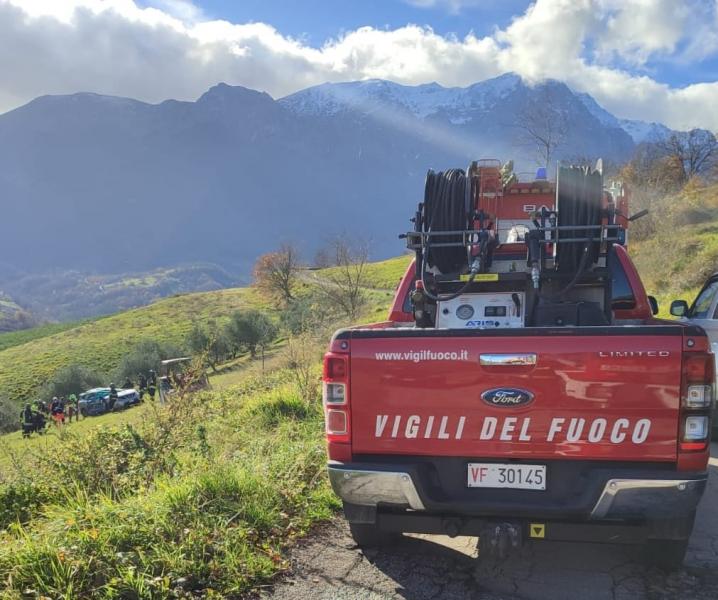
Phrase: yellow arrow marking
[537,530]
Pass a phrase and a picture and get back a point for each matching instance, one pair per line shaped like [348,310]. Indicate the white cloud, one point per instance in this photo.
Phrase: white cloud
[170,50]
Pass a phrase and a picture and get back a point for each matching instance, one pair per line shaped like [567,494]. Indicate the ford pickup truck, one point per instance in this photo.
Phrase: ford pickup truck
[587,433]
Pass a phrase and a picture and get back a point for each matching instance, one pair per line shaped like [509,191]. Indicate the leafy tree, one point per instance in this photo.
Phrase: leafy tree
[197,341]
[306,313]
[212,343]
[276,272]
[252,331]
[9,416]
[73,379]
[145,355]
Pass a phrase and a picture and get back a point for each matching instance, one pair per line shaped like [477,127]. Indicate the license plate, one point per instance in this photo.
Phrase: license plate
[497,475]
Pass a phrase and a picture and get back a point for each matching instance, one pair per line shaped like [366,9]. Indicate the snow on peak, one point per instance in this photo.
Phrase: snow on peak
[600,113]
[421,100]
[640,131]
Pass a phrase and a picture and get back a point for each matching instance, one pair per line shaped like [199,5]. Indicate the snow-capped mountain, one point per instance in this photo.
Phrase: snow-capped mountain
[96,183]
[458,104]
[640,131]
[422,101]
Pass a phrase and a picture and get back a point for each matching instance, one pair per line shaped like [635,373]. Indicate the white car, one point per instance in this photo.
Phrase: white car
[704,313]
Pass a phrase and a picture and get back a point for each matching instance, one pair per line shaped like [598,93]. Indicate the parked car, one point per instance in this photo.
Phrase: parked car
[97,401]
[703,312]
[126,398]
[93,402]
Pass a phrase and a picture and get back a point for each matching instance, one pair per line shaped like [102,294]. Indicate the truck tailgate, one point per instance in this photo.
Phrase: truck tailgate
[604,393]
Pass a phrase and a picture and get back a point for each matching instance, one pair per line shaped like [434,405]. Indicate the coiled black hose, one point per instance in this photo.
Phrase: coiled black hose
[579,202]
[446,208]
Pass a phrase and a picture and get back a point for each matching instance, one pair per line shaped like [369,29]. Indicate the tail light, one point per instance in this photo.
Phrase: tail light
[335,394]
[697,392]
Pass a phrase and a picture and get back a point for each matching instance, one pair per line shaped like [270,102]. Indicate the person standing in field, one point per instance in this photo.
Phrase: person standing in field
[28,421]
[113,396]
[74,405]
[152,383]
[56,411]
[142,384]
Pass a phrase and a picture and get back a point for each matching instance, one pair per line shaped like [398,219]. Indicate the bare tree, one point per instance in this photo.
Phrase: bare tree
[276,272]
[343,284]
[322,259]
[302,356]
[696,149]
[542,126]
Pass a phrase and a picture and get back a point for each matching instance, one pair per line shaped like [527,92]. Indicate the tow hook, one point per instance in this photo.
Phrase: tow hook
[499,539]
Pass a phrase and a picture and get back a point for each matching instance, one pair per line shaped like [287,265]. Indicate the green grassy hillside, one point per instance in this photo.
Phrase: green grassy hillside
[381,275]
[29,358]
[681,248]
[100,344]
[16,338]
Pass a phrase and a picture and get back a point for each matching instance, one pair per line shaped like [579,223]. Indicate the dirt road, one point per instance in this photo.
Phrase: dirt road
[329,566]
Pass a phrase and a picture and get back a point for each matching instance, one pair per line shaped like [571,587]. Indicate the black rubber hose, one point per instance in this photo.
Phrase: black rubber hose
[445,209]
[580,194]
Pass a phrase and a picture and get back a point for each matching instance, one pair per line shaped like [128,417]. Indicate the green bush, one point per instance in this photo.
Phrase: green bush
[145,356]
[20,501]
[251,331]
[73,379]
[9,416]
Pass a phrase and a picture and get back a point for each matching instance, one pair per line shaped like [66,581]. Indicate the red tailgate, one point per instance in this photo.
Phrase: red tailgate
[599,396]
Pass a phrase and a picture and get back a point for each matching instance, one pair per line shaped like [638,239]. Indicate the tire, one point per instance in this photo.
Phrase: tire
[666,554]
[369,536]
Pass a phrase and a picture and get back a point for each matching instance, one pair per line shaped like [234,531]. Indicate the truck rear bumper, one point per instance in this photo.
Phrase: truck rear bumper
[636,494]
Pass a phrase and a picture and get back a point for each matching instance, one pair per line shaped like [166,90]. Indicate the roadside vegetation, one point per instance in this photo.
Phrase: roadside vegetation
[675,247]
[200,498]
[203,496]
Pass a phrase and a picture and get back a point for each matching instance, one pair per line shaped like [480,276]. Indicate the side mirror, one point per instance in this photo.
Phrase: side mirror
[654,304]
[679,308]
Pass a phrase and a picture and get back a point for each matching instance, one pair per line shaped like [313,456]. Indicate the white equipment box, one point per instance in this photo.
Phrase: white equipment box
[482,311]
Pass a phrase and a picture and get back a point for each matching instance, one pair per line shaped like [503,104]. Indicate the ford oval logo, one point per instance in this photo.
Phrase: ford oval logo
[507,397]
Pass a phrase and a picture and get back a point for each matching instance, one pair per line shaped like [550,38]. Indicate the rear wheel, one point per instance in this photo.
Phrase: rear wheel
[666,554]
[369,536]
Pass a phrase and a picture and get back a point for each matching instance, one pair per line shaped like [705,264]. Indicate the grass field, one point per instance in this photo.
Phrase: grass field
[23,336]
[100,344]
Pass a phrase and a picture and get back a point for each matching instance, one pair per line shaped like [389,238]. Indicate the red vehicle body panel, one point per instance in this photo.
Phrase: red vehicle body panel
[395,391]
[576,378]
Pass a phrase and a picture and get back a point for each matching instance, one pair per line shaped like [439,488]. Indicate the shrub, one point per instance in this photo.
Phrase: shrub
[74,379]
[20,501]
[251,331]
[9,416]
[145,356]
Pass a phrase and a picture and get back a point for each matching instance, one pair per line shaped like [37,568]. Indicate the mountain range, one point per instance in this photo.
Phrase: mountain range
[100,185]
